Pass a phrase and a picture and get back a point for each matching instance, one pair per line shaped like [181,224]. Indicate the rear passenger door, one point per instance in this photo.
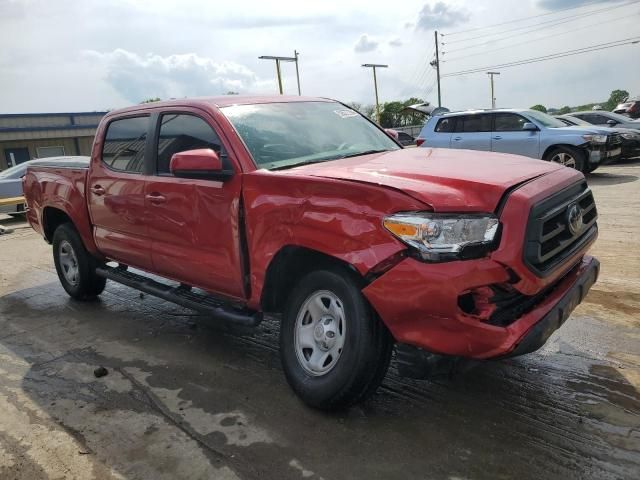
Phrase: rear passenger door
[509,137]
[193,223]
[115,192]
[472,132]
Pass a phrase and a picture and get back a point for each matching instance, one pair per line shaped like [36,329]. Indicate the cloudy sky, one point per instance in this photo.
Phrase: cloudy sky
[76,55]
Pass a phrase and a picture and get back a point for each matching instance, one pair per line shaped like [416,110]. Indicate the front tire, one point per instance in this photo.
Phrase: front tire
[334,349]
[75,266]
[567,156]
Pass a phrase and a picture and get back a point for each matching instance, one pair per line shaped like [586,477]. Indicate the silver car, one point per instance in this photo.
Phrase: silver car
[523,132]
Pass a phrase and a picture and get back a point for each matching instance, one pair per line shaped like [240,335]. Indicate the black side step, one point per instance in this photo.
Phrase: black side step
[199,302]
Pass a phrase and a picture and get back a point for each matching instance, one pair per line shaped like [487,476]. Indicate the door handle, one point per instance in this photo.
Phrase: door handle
[497,137]
[98,190]
[457,138]
[156,198]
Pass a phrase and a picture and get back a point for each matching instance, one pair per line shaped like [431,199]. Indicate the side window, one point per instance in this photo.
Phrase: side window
[446,125]
[182,132]
[598,119]
[508,122]
[474,123]
[124,144]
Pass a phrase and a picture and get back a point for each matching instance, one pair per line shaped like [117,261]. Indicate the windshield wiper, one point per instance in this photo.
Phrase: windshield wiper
[299,164]
[357,154]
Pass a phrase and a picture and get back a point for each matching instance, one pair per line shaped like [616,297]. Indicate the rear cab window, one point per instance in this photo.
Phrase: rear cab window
[124,144]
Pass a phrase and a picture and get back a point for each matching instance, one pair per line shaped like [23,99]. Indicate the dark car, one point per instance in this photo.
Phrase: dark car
[405,139]
[631,108]
[607,119]
[630,137]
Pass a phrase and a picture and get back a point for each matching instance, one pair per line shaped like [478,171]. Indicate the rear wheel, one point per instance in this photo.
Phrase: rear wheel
[567,156]
[75,266]
[335,351]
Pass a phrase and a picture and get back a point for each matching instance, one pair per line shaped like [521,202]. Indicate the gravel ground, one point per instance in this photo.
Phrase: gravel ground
[184,400]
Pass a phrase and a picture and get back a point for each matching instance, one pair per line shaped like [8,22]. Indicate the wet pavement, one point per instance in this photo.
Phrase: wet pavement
[185,400]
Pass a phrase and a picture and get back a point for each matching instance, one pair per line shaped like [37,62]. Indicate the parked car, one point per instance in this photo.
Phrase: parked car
[11,186]
[631,108]
[304,208]
[523,132]
[11,183]
[630,137]
[405,139]
[607,119]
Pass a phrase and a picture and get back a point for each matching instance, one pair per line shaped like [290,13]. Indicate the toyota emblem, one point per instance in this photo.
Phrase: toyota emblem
[574,219]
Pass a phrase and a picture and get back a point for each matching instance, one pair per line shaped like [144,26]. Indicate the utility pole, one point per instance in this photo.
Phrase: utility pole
[278,73]
[375,84]
[493,96]
[435,34]
[296,54]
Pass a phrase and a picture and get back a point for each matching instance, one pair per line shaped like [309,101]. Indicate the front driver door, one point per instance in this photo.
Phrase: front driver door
[509,137]
[472,132]
[194,223]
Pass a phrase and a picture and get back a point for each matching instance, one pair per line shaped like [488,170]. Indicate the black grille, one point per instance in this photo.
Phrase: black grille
[614,140]
[551,239]
[511,304]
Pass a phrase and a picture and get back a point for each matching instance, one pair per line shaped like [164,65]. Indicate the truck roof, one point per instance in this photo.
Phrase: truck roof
[221,101]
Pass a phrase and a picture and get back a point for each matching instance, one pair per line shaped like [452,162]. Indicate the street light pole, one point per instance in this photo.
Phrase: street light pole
[296,54]
[279,59]
[493,96]
[375,84]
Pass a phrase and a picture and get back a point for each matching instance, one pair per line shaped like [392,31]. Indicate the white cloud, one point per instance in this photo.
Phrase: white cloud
[396,42]
[365,44]
[441,15]
[138,77]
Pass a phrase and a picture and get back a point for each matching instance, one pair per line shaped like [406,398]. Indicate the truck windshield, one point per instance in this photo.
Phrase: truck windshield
[284,135]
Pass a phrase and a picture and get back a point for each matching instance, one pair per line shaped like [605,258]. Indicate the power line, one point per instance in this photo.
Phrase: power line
[519,19]
[528,42]
[541,25]
[592,48]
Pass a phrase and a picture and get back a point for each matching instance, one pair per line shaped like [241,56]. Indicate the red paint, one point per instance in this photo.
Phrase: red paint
[204,159]
[193,231]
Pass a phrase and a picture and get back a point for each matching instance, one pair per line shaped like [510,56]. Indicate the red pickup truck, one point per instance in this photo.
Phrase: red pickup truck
[304,208]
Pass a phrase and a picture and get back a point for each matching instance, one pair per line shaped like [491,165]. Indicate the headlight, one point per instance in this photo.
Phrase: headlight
[439,237]
[595,138]
[631,136]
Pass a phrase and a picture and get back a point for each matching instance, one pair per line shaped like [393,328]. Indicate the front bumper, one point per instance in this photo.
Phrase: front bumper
[419,304]
[604,154]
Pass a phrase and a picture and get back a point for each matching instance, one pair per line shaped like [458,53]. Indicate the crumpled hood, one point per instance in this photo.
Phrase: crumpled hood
[445,179]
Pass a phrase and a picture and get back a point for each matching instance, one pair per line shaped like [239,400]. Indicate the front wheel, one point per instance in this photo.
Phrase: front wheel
[567,156]
[334,349]
[75,266]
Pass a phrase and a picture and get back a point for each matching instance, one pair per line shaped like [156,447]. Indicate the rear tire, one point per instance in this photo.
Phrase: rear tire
[567,156]
[75,266]
[335,351]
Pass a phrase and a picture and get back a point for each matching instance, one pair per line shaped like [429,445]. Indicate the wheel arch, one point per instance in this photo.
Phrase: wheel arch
[289,265]
[52,218]
[550,148]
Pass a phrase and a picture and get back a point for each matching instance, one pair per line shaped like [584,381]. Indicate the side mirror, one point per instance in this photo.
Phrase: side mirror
[392,133]
[611,122]
[529,127]
[202,163]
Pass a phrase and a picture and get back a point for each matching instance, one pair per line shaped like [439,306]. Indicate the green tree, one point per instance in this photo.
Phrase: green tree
[616,97]
[151,100]
[391,114]
[564,110]
[540,108]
